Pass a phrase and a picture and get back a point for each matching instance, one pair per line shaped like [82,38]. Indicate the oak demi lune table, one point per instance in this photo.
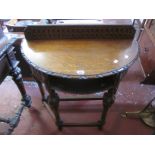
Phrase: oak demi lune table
[81,66]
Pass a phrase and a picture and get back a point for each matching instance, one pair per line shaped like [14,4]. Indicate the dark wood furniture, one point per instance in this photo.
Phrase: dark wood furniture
[17,26]
[81,59]
[147,51]
[9,66]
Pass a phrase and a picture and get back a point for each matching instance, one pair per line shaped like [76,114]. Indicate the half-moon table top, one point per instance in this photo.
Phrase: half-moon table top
[87,57]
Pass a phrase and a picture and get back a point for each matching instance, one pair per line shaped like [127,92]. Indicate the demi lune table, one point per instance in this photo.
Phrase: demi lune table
[81,66]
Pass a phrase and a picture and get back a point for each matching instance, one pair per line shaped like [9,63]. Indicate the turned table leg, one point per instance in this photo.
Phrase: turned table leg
[108,100]
[42,91]
[17,77]
[53,102]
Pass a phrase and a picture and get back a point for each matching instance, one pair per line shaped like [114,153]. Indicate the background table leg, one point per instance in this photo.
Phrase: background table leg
[17,77]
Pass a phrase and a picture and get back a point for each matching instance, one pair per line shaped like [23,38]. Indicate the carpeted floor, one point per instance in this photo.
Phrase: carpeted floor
[131,96]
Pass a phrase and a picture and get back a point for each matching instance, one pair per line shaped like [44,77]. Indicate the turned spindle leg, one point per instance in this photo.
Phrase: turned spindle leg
[108,100]
[53,102]
[17,77]
[42,91]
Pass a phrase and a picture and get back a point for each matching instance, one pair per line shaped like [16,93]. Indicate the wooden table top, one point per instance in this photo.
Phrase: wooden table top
[80,57]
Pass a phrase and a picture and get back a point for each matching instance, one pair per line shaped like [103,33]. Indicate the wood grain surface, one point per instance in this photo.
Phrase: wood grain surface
[80,57]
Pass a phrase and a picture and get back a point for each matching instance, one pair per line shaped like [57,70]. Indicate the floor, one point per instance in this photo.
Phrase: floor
[37,120]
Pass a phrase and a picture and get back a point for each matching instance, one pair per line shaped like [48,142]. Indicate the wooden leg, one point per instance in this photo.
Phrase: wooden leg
[42,91]
[17,77]
[108,100]
[53,102]
[14,121]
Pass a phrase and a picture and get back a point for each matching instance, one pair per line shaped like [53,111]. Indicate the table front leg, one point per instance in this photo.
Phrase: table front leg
[53,102]
[17,77]
[109,99]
